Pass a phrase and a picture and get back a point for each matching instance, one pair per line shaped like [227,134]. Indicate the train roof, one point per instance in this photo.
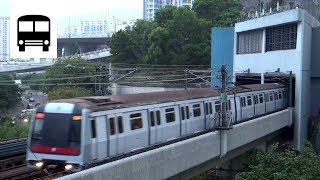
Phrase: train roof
[99,103]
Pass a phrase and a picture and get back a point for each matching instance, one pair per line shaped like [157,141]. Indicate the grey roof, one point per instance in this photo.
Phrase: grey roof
[97,103]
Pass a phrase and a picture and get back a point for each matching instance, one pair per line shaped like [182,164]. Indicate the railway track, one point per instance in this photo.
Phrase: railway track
[20,172]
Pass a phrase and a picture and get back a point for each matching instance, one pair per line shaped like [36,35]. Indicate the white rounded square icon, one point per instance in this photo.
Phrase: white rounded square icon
[33,34]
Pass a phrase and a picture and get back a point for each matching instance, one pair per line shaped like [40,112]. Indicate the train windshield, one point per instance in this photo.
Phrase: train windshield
[52,130]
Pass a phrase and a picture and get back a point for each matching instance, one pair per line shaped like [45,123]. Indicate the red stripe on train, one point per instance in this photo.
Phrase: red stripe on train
[55,150]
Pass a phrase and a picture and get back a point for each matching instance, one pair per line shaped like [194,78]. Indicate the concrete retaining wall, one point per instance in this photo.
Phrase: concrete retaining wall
[167,161]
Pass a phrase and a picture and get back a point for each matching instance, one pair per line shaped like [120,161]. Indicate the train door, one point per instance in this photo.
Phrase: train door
[102,137]
[137,132]
[185,118]
[115,133]
[197,121]
[156,129]
[171,123]
[209,115]
[93,141]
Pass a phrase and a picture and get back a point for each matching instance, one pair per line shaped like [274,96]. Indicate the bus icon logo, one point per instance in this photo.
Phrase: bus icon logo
[33,30]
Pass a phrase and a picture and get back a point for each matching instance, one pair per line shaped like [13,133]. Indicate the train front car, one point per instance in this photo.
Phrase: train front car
[55,137]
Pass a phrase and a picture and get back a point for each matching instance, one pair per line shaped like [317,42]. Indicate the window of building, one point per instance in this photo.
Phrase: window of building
[136,121]
[281,37]
[170,115]
[196,110]
[249,42]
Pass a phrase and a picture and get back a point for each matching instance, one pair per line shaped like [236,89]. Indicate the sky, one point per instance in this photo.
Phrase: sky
[122,9]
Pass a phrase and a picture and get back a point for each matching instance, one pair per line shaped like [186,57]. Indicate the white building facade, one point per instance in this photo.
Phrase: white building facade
[151,7]
[280,43]
[4,39]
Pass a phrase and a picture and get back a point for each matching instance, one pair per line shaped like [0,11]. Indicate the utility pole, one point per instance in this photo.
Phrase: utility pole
[223,96]
[186,79]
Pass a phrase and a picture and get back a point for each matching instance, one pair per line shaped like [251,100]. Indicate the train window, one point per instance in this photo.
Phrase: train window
[266,97]
[217,106]
[229,105]
[120,124]
[152,118]
[196,110]
[276,96]
[207,109]
[243,102]
[158,117]
[271,96]
[93,128]
[249,100]
[112,130]
[182,113]
[170,115]
[187,112]
[261,98]
[210,108]
[136,121]
[284,95]
[75,134]
[255,99]
[36,133]
[280,95]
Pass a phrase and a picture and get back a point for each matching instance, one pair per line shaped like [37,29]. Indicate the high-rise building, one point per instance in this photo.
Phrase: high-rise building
[150,7]
[4,39]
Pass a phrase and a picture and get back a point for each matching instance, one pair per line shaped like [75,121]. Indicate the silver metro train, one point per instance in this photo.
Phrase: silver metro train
[75,132]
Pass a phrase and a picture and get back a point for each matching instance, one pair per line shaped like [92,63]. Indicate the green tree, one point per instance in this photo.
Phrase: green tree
[184,39]
[284,165]
[8,130]
[9,92]
[68,92]
[131,45]
[219,12]
[34,79]
[73,71]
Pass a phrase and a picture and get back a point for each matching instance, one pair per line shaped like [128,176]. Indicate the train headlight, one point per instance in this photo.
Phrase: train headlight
[39,164]
[21,42]
[46,42]
[25,120]
[68,167]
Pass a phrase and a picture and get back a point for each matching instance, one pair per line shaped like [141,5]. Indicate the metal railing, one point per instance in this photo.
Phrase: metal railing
[13,147]
[106,50]
[312,7]
[85,35]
